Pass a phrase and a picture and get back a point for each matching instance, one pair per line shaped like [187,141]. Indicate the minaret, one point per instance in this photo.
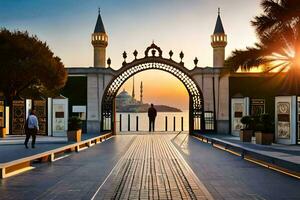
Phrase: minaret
[100,42]
[141,93]
[133,94]
[219,42]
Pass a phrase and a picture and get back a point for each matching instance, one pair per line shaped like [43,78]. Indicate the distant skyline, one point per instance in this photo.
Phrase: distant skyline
[159,91]
[178,25]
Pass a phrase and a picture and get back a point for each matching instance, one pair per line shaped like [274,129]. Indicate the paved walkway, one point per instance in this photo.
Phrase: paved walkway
[79,176]
[152,168]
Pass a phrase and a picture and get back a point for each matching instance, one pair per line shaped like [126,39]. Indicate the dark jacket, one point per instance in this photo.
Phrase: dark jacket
[152,113]
[26,129]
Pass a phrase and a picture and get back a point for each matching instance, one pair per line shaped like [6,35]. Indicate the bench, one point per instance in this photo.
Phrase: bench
[18,166]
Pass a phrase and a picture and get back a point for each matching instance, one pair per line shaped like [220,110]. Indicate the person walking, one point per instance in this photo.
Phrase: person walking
[31,129]
[152,115]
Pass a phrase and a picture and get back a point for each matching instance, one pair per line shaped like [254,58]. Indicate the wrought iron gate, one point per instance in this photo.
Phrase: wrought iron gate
[153,62]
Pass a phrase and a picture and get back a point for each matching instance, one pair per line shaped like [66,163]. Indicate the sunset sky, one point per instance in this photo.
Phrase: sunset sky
[66,25]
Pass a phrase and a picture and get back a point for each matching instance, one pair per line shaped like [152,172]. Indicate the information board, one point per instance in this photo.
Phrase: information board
[40,108]
[18,117]
[2,114]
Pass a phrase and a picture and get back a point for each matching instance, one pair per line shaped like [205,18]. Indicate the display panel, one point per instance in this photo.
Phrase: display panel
[283,116]
[59,117]
[2,114]
[18,117]
[41,113]
[257,107]
[238,109]
[298,120]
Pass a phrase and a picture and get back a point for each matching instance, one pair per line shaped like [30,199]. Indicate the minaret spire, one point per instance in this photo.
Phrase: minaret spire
[219,42]
[133,94]
[141,93]
[99,42]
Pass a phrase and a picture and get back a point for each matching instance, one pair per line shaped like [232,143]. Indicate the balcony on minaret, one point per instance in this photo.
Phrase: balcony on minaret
[99,38]
[218,40]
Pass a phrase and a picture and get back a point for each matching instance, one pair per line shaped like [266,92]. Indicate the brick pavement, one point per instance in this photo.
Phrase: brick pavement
[152,169]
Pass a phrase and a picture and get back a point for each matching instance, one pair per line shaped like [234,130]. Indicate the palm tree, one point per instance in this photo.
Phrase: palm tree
[278,48]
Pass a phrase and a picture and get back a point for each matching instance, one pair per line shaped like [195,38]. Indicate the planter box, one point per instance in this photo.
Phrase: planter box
[2,132]
[264,138]
[246,135]
[74,136]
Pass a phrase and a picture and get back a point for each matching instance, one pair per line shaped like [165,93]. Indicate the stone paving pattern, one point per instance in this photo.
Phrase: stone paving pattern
[226,176]
[152,169]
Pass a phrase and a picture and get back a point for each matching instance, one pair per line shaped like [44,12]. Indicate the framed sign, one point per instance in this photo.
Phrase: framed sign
[257,107]
[238,112]
[41,113]
[283,116]
[298,120]
[59,117]
[2,114]
[18,117]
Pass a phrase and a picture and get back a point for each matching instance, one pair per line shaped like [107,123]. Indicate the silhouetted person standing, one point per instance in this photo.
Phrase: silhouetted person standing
[152,115]
[31,128]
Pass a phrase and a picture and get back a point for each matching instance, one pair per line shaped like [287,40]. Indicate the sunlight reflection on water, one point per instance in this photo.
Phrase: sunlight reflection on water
[159,122]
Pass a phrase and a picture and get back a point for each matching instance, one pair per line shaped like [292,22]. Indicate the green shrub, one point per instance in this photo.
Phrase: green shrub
[248,121]
[74,123]
[266,124]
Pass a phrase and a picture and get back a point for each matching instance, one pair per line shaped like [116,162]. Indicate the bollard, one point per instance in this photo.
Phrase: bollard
[166,122]
[137,123]
[181,123]
[128,122]
[120,122]
[174,125]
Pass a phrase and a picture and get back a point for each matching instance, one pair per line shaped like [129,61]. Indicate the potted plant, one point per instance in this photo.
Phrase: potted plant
[74,129]
[2,132]
[247,132]
[265,130]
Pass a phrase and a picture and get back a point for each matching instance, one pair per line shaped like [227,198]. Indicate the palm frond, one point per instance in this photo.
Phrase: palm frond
[247,59]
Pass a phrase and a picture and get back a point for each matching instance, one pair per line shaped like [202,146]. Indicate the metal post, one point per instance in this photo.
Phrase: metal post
[166,123]
[128,122]
[181,123]
[137,123]
[174,125]
[120,122]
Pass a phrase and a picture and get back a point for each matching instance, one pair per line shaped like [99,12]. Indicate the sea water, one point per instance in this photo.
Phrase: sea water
[160,121]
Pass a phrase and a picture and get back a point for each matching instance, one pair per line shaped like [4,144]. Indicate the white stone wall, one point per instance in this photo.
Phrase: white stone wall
[205,82]
[219,56]
[97,84]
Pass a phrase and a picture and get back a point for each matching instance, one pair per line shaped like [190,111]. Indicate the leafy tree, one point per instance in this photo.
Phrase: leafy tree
[278,48]
[28,64]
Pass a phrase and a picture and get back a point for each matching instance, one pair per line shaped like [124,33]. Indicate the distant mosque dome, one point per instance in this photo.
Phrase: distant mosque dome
[123,95]
[123,99]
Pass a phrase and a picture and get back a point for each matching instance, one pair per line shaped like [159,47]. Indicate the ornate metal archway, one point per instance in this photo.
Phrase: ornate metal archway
[196,114]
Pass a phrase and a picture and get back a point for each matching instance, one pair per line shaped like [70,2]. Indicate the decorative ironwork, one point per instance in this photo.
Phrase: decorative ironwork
[159,63]
[196,62]
[135,53]
[18,117]
[181,55]
[171,54]
[108,62]
[40,107]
